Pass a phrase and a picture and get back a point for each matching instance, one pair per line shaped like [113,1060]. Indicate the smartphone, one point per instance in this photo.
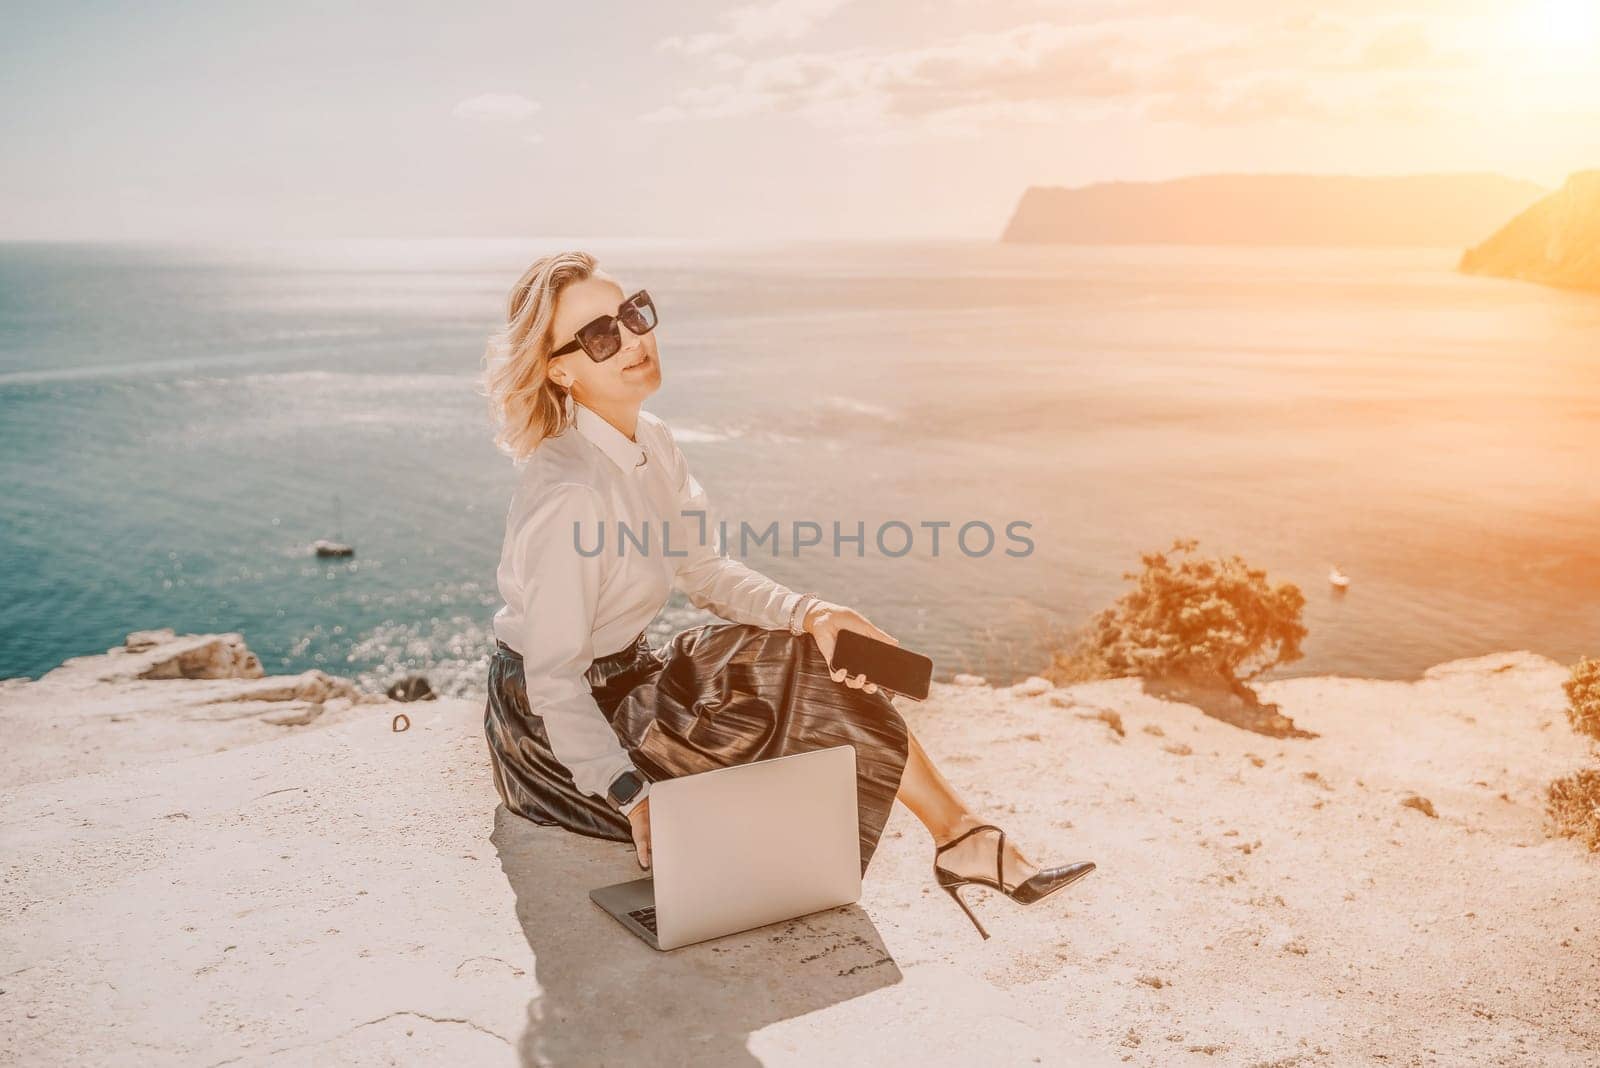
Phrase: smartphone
[891,667]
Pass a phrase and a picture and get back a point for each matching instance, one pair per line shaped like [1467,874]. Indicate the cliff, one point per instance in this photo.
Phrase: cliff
[158,696]
[333,892]
[1272,209]
[1556,242]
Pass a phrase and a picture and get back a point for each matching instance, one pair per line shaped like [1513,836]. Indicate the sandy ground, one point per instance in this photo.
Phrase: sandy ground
[183,887]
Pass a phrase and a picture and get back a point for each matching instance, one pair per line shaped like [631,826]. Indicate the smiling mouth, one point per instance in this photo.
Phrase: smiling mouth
[640,362]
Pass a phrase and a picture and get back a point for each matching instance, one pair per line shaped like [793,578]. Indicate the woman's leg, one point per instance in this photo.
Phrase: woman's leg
[929,795]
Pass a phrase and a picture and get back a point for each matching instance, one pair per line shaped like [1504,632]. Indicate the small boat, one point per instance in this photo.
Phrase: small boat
[325,547]
[1338,579]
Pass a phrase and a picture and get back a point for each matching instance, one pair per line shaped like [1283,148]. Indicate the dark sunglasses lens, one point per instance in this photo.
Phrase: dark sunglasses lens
[639,315]
[600,340]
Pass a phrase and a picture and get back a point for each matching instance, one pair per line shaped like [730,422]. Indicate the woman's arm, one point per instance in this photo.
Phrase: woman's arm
[561,589]
[718,583]
[735,591]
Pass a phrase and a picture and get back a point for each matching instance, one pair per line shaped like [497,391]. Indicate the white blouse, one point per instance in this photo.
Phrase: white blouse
[566,606]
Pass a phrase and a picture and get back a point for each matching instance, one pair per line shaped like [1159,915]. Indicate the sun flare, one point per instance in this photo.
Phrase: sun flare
[1565,29]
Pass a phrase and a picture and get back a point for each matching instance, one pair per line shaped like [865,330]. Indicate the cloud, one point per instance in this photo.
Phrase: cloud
[1231,66]
[749,24]
[1252,101]
[1403,45]
[1021,72]
[496,108]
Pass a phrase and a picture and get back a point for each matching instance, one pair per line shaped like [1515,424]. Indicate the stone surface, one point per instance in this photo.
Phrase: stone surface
[344,894]
[1033,686]
[158,696]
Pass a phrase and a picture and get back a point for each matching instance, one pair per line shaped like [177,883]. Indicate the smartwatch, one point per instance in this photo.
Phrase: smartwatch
[624,788]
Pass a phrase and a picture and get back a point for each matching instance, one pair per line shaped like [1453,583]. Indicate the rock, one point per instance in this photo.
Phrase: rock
[1228,700]
[318,686]
[1110,717]
[161,696]
[140,640]
[250,889]
[1422,805]
[1555,243]
[1033,686]
[310,685]
[970,680]
[411,688]
[197,656]
[296,717]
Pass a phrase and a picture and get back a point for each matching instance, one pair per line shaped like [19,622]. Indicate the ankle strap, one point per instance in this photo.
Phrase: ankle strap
[964,835]
[999,853]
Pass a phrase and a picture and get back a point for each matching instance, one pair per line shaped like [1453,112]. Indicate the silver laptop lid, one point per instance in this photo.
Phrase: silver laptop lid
[739,847]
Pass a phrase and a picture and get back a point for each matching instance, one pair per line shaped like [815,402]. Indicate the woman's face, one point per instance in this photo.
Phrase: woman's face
[627,377]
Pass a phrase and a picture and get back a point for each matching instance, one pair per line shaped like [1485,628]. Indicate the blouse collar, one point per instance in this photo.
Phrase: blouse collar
[614,443]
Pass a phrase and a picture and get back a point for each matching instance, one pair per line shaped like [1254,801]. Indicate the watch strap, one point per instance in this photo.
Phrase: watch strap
[618,794]
[638,799]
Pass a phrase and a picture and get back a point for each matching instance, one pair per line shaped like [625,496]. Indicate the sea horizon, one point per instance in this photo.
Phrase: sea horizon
[181,419]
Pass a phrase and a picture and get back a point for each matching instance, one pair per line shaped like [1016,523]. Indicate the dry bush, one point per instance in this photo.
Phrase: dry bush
[1079,662]
[1583,697]
[1190,616]
[1573,804]
[1200,617]
[1197,629]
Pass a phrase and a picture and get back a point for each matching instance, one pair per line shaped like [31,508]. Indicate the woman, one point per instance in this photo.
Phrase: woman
[583,714]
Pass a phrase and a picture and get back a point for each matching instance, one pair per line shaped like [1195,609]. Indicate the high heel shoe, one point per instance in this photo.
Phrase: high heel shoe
[1037,886]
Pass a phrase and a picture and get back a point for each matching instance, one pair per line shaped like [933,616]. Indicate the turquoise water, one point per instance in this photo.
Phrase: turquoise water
[178,423]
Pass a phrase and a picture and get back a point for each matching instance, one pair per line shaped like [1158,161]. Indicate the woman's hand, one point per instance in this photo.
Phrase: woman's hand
[825,621]
[640,819]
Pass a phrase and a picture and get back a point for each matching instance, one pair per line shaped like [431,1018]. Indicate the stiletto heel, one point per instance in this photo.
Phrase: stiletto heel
[1036,887]
[953,891]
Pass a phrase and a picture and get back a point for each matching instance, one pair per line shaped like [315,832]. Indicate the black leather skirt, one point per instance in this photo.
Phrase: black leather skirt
[717,695]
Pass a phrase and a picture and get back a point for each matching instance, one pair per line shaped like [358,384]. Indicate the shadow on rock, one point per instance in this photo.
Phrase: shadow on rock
[1228,700]
[604,997]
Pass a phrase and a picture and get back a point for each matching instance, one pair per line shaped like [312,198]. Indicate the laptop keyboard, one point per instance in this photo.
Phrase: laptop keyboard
[646,917]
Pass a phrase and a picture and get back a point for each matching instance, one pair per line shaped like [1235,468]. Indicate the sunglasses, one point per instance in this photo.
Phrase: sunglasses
[601,339]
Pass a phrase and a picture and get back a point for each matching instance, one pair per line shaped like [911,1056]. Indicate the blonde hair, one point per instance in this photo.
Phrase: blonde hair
[525,404]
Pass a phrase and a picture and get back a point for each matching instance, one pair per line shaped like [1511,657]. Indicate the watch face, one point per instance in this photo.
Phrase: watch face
[624,787]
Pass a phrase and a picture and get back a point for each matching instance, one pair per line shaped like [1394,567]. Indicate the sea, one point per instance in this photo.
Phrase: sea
[178,423]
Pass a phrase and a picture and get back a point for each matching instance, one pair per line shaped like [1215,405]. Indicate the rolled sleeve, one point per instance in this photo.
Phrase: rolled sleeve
[561,591]
[718,583]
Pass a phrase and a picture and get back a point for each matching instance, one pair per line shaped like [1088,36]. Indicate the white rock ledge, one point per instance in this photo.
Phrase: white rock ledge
[182,886]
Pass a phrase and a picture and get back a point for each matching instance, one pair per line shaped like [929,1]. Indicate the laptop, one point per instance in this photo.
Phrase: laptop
[741,847]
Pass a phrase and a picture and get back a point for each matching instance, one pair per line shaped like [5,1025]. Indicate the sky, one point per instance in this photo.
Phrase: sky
[839,119]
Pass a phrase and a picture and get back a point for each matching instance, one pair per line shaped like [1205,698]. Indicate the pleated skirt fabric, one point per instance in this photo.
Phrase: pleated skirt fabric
[716,695]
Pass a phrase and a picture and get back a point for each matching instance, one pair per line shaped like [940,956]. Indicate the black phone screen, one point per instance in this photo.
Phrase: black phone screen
[891,667]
